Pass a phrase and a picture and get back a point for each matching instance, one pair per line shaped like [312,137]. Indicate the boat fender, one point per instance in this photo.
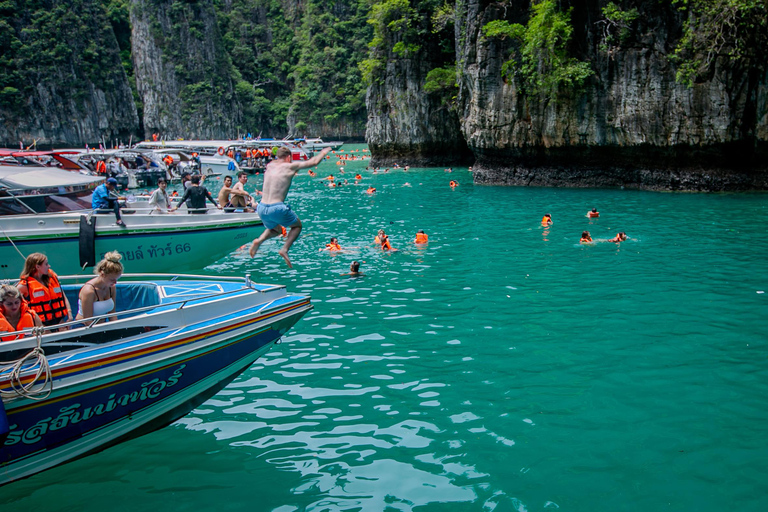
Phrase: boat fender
[4,426]
[87,241]
[221,151]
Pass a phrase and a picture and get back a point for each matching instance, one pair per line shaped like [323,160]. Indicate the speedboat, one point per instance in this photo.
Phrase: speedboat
[176,341]
[57,220]
[317,144]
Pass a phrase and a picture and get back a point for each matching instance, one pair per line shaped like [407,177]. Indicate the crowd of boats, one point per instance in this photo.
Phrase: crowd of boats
[176,339]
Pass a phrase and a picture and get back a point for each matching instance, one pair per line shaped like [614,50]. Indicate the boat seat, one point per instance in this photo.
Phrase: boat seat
[129,296]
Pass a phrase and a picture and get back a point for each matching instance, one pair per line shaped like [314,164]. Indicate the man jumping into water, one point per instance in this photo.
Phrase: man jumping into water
[274,213]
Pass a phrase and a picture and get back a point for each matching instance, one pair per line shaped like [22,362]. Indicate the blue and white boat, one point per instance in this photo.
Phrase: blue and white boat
[176,342]
[42,210]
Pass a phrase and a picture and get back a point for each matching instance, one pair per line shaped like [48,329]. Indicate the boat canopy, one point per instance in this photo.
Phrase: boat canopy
[27,178]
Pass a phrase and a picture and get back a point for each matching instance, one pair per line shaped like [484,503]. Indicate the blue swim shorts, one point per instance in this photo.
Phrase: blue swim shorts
[276,214]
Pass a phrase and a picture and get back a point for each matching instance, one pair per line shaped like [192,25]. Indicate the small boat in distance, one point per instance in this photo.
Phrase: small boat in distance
[177,341]
[317,144]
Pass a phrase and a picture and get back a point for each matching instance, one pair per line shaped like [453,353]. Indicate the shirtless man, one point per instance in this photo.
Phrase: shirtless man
[223,198]
[240,198]
[274,213]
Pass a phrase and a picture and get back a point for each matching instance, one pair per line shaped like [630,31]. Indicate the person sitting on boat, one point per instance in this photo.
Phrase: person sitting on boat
[196,194]
[354,270]
[15,315]
[332,246]
[186,180]
[97,296]
[159,200]
[586,238]
[622,236]
[40,287]
[546,220]
[105,198]
[140,163]
[223,198]
[240,198]
[593,214]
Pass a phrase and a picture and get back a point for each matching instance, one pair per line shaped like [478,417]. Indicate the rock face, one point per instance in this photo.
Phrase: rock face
[633,126]
[408,126]
[63,81]
[183,74]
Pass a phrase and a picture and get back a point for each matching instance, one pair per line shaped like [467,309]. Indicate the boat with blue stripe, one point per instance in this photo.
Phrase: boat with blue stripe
[176,342]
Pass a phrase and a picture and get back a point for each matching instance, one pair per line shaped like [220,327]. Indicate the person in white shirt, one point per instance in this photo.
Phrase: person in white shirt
[159,201]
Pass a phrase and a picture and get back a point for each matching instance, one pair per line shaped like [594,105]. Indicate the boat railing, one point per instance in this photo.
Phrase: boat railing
[90,322]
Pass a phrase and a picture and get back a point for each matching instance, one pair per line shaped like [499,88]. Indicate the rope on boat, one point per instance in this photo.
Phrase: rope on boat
[13,244]
[36,357]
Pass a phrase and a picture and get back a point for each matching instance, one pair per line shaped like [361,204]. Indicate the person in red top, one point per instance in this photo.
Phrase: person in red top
[101,167]
[40,287]
[14,313]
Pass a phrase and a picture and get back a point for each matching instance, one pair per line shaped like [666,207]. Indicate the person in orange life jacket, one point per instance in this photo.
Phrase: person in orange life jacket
[622,236]
[14,313]
[40,287]
[378,237]
[358,177]
[421,237]
[332,246]
[546,220]
[385,245]
[371,190]
[98,296]
[101,167]
[593,214]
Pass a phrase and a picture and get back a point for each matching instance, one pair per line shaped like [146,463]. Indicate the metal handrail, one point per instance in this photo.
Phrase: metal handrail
[92,321]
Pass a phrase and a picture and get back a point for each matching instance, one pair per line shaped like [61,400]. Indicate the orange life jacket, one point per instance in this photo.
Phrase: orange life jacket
[48,302]
[358,177]
[594,214]
[386,245]
[545,220]
[101,167]
[421,238]
[333,247]
[371,190]
[231,154]
[248,153]
[26,320]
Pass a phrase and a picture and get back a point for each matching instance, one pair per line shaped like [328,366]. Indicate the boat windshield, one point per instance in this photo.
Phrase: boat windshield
[45,201]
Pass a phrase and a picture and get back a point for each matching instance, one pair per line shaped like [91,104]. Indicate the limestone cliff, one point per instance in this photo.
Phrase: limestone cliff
[62,81]
[183,75]
[632,126]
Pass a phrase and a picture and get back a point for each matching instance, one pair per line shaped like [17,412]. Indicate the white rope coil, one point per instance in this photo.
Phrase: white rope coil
[35,357]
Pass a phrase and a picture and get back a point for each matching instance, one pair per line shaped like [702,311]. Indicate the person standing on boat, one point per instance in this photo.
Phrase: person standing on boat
[40,287]
[105,198]
[14,313]
[159,201]
[272,209]
[196,195]
[98,296]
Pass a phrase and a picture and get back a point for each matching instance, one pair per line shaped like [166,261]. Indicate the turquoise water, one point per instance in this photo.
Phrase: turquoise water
[503,366]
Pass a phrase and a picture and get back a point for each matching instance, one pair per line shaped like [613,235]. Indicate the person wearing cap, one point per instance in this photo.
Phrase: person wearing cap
[105,198]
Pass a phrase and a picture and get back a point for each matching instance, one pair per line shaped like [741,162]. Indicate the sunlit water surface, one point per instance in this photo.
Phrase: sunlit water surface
[503,366]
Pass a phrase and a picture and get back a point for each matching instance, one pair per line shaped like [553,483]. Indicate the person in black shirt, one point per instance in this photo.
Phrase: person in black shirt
[196,196]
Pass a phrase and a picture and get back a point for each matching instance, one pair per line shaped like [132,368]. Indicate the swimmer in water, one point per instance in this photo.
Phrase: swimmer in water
[586,238]
[546,220]
[593,214]
[354,270]
[332,246]
[622,236]
[371,190]
[453,184]
[421,237]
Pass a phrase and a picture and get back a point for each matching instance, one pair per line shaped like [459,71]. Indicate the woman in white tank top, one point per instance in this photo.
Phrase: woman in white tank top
[97,296]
